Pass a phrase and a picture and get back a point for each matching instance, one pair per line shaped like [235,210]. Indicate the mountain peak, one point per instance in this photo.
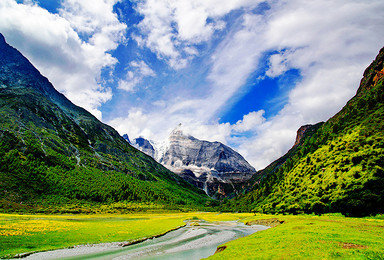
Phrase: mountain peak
[2,39]
[45,136]
[144,145]
[21,74]
[304,131]
[372,74]
[125,136]
[336,166]
[178,131]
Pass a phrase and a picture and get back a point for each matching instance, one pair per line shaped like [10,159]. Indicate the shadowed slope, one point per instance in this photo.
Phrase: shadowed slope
[51,147]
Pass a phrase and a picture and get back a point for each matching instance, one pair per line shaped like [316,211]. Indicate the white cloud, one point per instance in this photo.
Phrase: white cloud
[235,58]
[52,43]
[277,65]
[169,24]
[250,121]
[143,68]
[329,42]
[133,78]
[138,123]
[128,84]
[191,51]
[135,124]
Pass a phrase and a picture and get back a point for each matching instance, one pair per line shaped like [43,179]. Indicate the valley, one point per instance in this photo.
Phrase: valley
[299,237]
[74,187]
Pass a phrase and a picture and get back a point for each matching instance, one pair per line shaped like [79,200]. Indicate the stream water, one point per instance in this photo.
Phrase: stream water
[189,242]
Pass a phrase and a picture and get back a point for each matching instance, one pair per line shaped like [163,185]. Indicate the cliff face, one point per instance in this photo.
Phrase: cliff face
[301,133]
[144,145]
[186,150]
[372,74]
[211,166]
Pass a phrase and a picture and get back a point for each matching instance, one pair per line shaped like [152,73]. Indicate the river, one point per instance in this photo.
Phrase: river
[198,239]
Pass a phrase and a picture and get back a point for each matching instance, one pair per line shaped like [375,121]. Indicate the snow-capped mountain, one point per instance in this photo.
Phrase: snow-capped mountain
[211,166]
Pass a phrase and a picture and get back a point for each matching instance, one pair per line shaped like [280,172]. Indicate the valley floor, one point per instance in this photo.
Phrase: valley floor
[303,236]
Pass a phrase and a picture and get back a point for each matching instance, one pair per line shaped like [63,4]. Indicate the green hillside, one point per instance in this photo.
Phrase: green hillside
[55,153]
[337,166]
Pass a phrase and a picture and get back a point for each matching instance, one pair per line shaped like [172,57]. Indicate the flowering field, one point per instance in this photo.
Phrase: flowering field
[28,233]
[299,237]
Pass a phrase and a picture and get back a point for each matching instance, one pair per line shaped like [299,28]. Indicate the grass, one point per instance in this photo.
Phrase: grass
[26,233]
[300,237]
[311,237]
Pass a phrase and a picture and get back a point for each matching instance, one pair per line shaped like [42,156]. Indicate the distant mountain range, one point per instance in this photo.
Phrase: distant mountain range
[53,151]
[145,146]
[211,166]
[336,166]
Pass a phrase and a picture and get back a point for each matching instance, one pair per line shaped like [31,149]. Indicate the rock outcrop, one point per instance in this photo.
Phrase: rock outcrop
[211,166]
[185,150]
[144,145]
[125,136]
[336,166]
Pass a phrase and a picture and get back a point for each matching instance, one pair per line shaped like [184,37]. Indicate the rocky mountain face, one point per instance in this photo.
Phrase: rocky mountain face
[303,133]
[125,136]
[51,148]
[336,166]
[144,145]
[185,150]
[211,166]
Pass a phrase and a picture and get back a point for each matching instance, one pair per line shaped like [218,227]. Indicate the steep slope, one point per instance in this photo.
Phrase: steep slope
[51,148]
[302,134]
[339,167]
[211,166]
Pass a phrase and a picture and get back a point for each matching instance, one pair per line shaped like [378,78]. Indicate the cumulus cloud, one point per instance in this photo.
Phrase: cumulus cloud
[53,44]
[135,124]
[330,43]
[138,123]
[250,121]
[167,25]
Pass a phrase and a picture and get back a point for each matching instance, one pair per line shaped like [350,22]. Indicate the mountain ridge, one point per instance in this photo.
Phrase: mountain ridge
[212,166]
[53,149]
[337,167]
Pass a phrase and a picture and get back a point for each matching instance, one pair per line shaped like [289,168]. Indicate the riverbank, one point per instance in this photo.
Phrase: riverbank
[88,248]
[21,234]
[312,237]
[298,237]
[196,240]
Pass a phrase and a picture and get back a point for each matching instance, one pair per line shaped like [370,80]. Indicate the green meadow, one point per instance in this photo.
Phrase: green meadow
[27,233]
[312,237]
[299,237]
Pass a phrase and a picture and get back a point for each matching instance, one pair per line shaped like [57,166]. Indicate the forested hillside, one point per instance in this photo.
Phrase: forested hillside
[55,153]
[337,167]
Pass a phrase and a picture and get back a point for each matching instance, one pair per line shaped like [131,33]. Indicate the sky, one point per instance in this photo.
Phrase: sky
[247,73]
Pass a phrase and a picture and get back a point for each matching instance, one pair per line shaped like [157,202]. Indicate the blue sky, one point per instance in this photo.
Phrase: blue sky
[247,73]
